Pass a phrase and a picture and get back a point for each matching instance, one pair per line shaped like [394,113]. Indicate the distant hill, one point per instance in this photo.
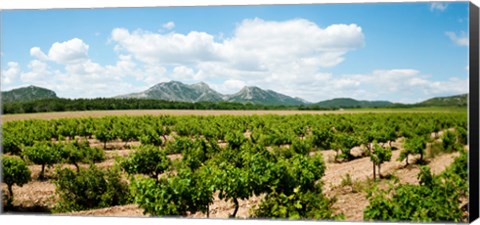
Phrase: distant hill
[456,100]
[25,94]
[177,91]
[257,95]
[351,103]
[201,92]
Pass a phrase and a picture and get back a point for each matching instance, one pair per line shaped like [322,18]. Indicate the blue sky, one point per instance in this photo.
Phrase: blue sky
[402,52]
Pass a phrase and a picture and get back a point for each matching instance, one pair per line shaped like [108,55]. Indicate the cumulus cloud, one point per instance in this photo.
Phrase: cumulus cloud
[438,6]
[37,53]
[169,25]
[255,45]
[11,73]
[39,71]
[229,86]
[398,85]
[460,40]
[71,51]
[172,48]
[67,52]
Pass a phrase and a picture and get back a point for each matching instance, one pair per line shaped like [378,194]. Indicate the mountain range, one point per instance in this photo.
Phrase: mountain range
[201,92]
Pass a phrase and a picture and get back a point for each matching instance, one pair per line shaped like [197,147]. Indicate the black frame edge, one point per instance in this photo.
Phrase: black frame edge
[473,117]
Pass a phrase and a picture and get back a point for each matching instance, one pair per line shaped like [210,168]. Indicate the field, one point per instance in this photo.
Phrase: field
[100,113]
[243,164]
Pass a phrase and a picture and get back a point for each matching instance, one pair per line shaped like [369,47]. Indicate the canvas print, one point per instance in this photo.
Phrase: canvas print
[332,112]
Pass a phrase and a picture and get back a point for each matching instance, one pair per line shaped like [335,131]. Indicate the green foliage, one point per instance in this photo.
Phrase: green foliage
[457,173]
[14,171]
[301,147]
[232,183]
[179,145]
[436,199]
[89,188]
[450,143]
[75,152]
[126,130]
[345,143]
[346,181]
[298,205]
[195,156]
[414,145]
[151,137]
[104,132]
[432,201]
[462,135]
[44,154]
[380,155]
[235,140]
[173,196]
[149,160]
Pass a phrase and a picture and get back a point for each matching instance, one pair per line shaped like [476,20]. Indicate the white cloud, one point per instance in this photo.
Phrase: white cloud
[37,53]
[71,51]
[172,48]
[182,73]
[229,86]
[257,46]
[170,25]
[11,73]
[460,40]
[438,6]
[400,85]
[260,45]
[39,71]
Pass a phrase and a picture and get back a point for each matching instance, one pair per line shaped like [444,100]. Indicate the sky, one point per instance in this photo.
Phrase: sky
[400,52]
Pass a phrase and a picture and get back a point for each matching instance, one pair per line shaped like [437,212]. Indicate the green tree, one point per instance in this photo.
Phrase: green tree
[44,154]
[149,160]
[15,171]
[76,152]
[414,145]
[296,206]
[379,156]
[89,188]
[150,137]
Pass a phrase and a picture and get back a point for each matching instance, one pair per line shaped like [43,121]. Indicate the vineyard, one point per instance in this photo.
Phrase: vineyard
[262,166]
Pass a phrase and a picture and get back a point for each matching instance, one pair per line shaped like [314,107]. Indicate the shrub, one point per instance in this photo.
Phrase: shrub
[179,195]
[434,200]
[76,152]
[89,188]
[149,160]
[298,205]
[44,154]
[15,171]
